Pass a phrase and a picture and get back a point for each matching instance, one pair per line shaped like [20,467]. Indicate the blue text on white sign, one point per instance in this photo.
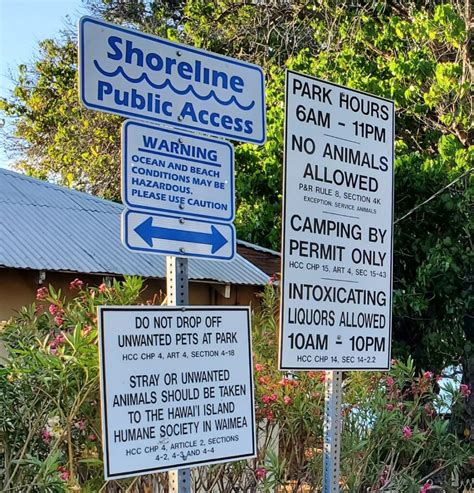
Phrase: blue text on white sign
[129,73]
[174,172]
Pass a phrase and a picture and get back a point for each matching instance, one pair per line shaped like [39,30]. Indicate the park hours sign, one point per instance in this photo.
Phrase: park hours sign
[176,387]
[337,228]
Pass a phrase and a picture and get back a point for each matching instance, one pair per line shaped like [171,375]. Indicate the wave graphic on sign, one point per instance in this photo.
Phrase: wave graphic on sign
[168,83]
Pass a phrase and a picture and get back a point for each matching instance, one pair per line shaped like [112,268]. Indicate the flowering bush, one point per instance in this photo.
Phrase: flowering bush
[395,436]
[49,391]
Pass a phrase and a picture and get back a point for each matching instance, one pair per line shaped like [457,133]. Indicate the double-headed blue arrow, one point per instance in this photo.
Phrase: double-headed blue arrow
[147,232]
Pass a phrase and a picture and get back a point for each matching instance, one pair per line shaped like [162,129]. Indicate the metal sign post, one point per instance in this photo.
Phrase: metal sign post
[332,431]
[177,288]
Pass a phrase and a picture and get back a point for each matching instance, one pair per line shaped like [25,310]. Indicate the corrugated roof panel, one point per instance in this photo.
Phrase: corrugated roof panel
[47,227]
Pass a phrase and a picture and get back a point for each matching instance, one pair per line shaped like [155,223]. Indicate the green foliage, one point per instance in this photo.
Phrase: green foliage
[49,412]
[395,435]
[61,140]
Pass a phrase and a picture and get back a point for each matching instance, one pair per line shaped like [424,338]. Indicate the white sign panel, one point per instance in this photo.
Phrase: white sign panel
[176,387]
[130,73]
[174,172]
[337,231]
[179,236]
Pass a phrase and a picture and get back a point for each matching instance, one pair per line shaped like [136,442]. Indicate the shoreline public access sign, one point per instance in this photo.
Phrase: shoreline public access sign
[137,75]
[176,387]
[336,294]
[179,187]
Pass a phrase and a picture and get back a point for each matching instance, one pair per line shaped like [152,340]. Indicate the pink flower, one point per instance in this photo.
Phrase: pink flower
[258,367]
[53,309]
[389,407]
[425,487]
[428,375]
[265,399]
[384,476]
[102,288]
[428,410]
[271,280]
[80,425]
[273,397]
[92,437]
[464,389]
[46,436]
[269,415]
[57,341]
[58,320]
[41,293]
[390,381]
[76,284]
[407,432]
[287,400]
[260,473]
[85,330]
[64,474]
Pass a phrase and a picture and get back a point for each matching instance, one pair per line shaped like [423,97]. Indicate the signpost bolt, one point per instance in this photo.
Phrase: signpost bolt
[181,220]
[180,117]
[339,338]
[178,53]
[182,250]
[180,140]
[181,206]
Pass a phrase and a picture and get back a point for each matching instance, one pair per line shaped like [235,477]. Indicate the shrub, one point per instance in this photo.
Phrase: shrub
[395,435]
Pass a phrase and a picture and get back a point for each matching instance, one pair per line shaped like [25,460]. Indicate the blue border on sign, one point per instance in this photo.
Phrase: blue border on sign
[177,253]
[179,46]
[124,189]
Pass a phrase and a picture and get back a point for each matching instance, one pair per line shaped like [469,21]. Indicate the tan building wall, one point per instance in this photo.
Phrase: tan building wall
[18,288]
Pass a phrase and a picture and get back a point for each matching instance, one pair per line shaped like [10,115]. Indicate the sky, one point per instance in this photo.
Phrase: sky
[23,23]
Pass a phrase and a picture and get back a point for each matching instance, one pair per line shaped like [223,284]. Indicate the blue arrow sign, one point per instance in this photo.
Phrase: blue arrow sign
[147,231]
[172,235]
